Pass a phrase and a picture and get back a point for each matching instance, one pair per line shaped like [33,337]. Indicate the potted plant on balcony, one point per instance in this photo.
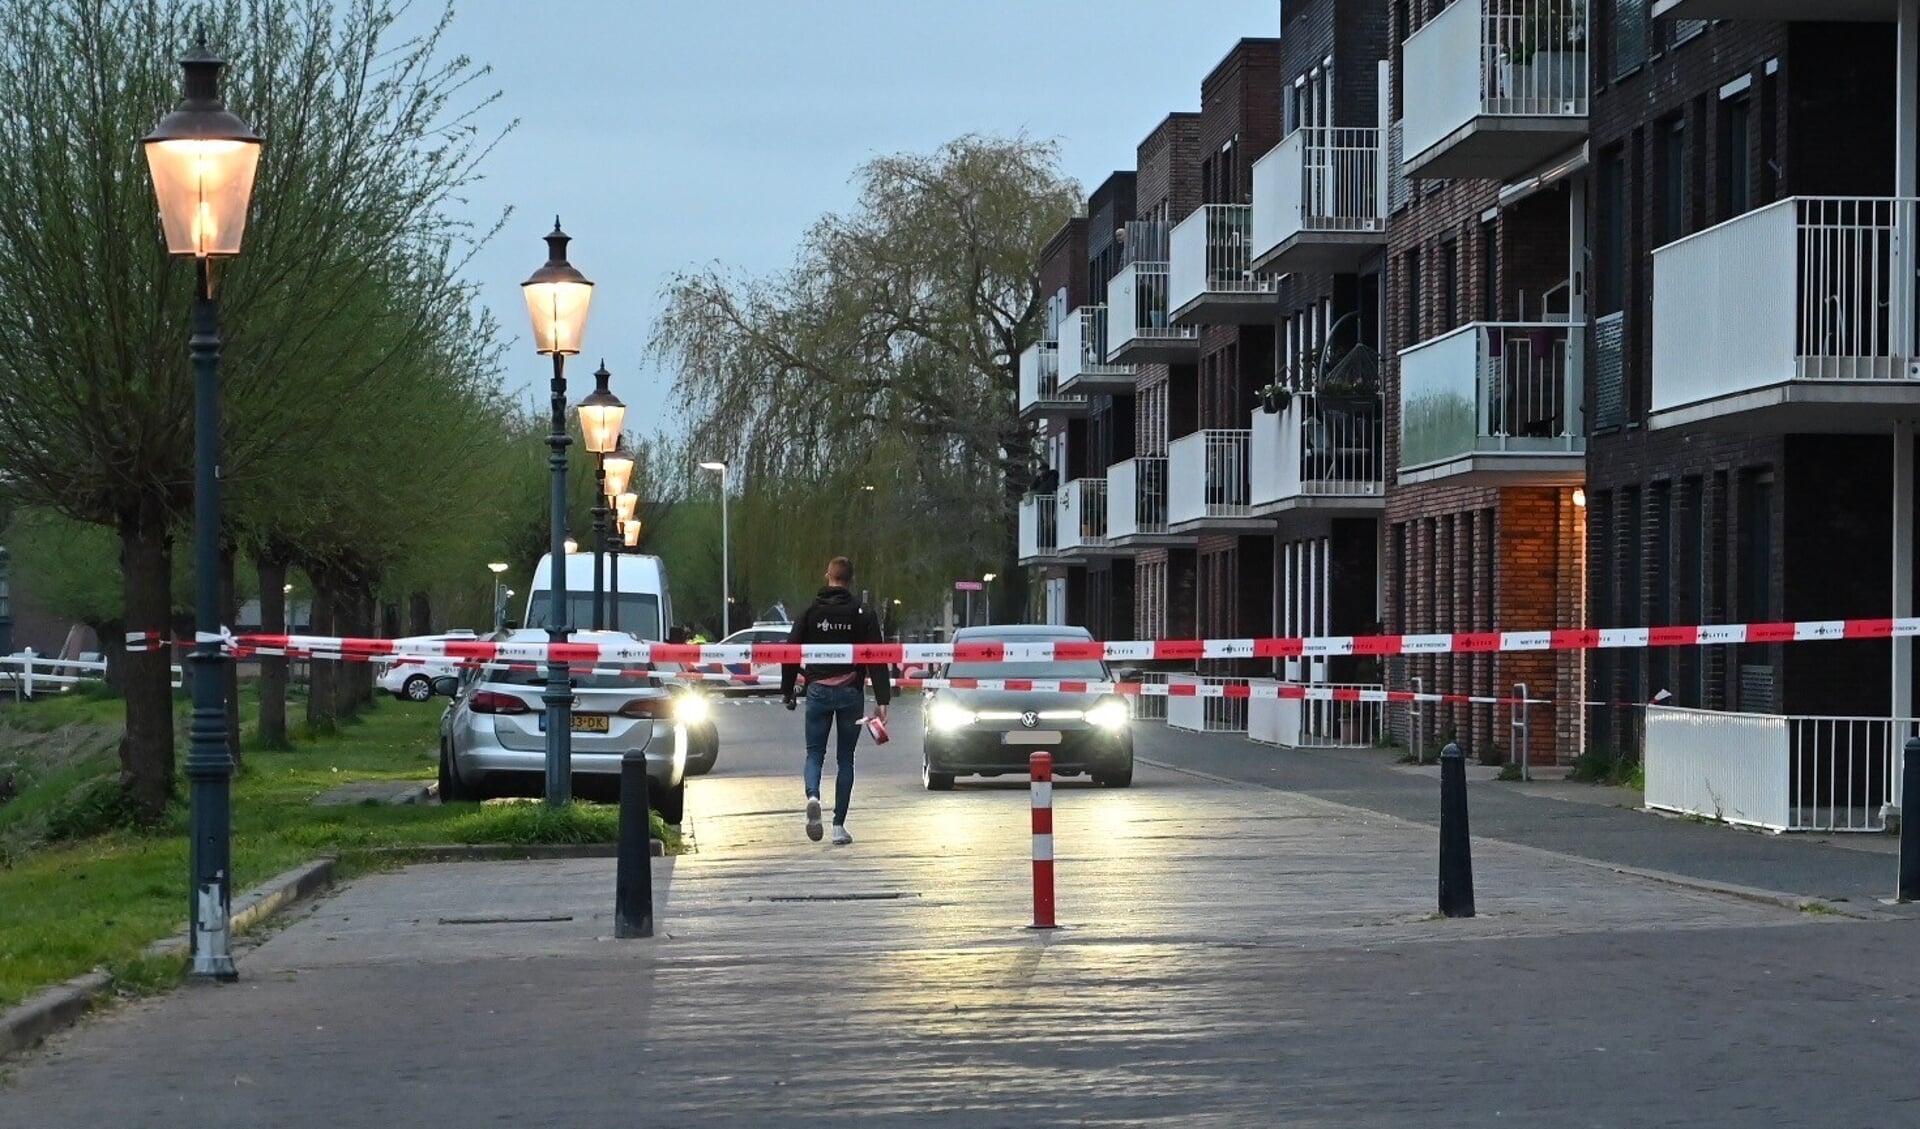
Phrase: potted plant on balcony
[1544,67]
[1274,398]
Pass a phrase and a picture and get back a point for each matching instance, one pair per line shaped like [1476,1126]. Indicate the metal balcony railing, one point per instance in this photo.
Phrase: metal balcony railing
[1212,254]
[1083,347]
[1039,527]
[1499,388]
[1319,446]
[1207,474]
[1495,59]
[1082,521]
[1137,498]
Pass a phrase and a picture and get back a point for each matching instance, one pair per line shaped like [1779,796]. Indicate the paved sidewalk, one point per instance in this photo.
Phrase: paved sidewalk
[1553,815]
[1234,957]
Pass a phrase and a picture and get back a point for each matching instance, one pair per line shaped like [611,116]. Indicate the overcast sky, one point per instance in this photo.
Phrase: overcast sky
[668,134]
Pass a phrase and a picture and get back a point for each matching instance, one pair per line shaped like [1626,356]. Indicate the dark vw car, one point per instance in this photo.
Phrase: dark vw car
[993,732]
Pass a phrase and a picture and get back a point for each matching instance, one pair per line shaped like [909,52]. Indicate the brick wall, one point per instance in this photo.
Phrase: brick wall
[1063,264]
[1169,168]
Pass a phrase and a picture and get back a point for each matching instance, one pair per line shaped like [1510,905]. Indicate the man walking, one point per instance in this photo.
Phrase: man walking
[836,692]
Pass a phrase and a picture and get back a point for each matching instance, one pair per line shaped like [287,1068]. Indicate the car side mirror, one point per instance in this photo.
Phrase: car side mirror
[446,685]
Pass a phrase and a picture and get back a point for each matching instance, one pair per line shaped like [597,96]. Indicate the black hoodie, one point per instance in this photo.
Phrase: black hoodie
[836,617]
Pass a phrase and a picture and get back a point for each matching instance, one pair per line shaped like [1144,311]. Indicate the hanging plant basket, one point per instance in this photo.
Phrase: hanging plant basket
[1274,400]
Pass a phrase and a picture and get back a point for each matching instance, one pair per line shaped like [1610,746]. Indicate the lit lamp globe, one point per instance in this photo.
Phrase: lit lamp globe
[557,299]
[619,472]
[572,546]
[203,159]
[601,415]
[623,507]
[630,532]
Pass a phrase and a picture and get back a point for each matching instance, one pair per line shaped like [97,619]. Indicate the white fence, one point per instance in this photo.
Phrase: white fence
[1198,714]
[1808,288]
[1299,724]
[1774,772]
[27,674]
[1208,476]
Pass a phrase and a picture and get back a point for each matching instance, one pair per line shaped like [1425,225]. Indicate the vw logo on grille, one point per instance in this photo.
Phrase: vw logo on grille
[1029,719]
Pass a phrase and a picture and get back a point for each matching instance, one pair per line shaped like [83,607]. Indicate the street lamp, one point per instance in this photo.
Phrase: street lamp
[570,545]
[631,531]
[986,592]
[202,158]
[726,551]
[619,471]
[499,607]
[601,415]
[557,299]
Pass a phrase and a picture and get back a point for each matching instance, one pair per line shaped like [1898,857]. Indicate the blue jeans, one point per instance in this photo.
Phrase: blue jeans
[828,707]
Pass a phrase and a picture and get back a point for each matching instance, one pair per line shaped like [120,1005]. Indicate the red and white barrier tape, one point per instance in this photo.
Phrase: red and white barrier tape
[1152,650]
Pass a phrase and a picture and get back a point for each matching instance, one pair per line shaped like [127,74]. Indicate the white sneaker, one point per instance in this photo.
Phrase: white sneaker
[813,818]
[840,836]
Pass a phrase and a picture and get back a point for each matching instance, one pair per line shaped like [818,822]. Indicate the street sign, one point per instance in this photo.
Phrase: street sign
[968,586]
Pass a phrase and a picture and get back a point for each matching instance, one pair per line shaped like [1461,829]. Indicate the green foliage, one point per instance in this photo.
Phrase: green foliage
[1605,764]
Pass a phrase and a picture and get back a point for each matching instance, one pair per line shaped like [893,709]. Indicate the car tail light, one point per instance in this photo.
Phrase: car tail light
[648,707]
[492,701]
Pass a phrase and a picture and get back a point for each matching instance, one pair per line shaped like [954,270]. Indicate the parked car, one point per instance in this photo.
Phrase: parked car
[766,675]
[994,732]
[495,730]
[411,679]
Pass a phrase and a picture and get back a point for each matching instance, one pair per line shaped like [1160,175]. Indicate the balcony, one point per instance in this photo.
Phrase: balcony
[1139,330]
[1495,88]
[1210,275]
[1082,520]
[1207,485]
[1798,316]
[1040,394]
[1883,11]
[1320,453]
[1083,356]
[1137,504]
[1498,404]
[1317,203]
[1039,530]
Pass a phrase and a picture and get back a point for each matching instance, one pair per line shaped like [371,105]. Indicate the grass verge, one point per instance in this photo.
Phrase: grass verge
[98,901]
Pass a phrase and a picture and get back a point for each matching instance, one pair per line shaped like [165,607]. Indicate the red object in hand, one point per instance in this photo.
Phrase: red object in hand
[878,729]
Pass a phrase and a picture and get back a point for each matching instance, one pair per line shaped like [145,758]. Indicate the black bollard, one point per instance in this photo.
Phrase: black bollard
[1456,859]
[633,878]
[1909,888]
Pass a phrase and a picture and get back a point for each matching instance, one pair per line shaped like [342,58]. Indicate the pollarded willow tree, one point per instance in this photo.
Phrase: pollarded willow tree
[368,138]
[886,356]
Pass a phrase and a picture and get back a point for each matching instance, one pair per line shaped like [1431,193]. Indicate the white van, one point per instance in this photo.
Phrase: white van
[643,607]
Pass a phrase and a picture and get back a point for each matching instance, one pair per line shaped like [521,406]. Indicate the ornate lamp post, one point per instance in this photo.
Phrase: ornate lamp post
[618,471]
[601,415]
[203,160]
[557,299]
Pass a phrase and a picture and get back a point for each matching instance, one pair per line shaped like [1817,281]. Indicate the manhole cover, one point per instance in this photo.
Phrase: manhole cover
[884,897]
[531,919]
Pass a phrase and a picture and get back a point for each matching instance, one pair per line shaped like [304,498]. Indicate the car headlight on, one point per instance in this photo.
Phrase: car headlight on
[946,717]
[691,709]
[1110,715]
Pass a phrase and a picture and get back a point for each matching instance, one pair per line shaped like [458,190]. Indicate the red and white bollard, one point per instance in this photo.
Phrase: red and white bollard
[1040,766]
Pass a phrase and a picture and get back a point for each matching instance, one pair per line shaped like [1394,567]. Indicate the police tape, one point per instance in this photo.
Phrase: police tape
[1062,650]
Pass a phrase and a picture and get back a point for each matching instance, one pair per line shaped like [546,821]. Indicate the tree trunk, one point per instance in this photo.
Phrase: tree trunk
[348,621]
[273,670]
[419,614]
[113,650]
[321,714]
[362,671]
[230,614]
[146,569]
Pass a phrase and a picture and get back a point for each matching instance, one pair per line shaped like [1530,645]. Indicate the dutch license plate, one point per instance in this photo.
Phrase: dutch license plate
[590,723]
[1032,737]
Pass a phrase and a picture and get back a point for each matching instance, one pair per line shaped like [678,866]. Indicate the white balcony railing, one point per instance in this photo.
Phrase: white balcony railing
[1207,477]
[1318,181]
[1212,255]
[1490,388]
[1138,309]
[1492,59]
[1810,289]
[1137,498]
[1040,376]
[1039,527]
[1082,522]
[1083,347]
[1318,446]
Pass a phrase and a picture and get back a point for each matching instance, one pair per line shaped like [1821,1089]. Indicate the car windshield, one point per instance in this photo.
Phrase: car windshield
[538,678]
[1076,671]
[638,612]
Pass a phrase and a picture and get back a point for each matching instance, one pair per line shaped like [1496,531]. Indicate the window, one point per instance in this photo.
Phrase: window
[1660,587]
[1756,547]
[1611,261]
[1671,221]
[1690,519]
[1411,274]
[1450,284]
[1736,157]
[1629,36]
[1489,267]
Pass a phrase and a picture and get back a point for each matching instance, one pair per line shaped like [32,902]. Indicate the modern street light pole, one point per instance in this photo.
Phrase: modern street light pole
[986,593]
[203,159]
[601,415]
[726,552]
[499,609]
[557,298]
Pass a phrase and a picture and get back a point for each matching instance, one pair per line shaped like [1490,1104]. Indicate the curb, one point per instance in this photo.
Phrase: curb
[1796,902]
[63,1005]
[496,852]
